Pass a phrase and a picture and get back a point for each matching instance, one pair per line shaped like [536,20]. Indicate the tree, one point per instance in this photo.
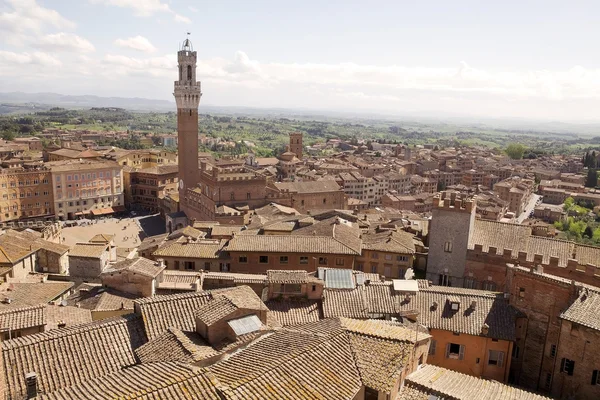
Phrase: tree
[592,178]
[568,204]
[8,135]
[515,151]
[596,235]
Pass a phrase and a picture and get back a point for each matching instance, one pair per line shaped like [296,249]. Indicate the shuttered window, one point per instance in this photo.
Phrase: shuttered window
[567,366]
[455,351]
[432,347]
[496,358]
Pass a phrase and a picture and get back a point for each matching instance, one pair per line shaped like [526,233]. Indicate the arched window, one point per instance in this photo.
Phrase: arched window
[180,72]
[189,72]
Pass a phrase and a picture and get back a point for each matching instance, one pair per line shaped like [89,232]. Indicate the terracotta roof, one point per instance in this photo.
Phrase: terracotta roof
[308,186]
[171,311]
[289,244]
[76,164]
[338,228]
[175,345]
[185,248]
[215,310]
[283,276]
[31,294]
[225,230]
[444,383]
[296,365]
[139,265]
[88,250]
[67,315]
[78,353]
[234,277]
[98,298]
[294,311]
[433,304]
[152,241]
[162,169]
[383,330]
[22,318]
[165,380]
[187,231]
[102,238]
[390,241]
[584,309]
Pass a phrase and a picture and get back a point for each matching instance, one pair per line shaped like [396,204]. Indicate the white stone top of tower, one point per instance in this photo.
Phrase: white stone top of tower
[187,89]
[187,45]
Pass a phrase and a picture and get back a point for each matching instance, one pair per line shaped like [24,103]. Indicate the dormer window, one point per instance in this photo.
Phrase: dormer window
[454,303]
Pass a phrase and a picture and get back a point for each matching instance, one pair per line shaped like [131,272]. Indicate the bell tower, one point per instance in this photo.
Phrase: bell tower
[187,96]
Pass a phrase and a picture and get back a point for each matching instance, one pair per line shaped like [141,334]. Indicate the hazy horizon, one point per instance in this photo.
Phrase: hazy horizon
[512,60]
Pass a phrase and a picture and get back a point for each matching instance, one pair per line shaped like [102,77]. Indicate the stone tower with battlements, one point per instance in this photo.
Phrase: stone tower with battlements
[187,96]
[296,144]
[452,222]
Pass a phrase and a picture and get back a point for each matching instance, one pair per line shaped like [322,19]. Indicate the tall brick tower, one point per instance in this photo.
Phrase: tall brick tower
[187,96]
[296,144]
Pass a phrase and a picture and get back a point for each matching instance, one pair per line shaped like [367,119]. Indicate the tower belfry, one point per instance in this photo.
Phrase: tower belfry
[187,97]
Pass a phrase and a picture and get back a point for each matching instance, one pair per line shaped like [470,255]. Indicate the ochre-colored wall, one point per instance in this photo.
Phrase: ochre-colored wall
[476,347]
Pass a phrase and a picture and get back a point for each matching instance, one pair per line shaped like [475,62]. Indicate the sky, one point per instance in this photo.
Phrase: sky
[510,59]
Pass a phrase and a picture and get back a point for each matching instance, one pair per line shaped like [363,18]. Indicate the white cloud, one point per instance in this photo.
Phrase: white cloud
[18,60]
[138,43]
[193,9]
[241,80]
[144,8]
[26,18]
[64,42]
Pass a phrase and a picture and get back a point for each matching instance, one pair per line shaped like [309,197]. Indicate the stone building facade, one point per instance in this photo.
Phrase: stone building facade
[26,193]
[86,187]
[451,226]
[304,196]
[144,187]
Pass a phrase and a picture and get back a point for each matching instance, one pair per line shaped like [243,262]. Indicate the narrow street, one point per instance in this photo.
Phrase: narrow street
[528,209]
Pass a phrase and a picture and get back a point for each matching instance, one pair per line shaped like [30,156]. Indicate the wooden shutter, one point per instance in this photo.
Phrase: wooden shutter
[461,355]
[447,350]
[500,358]
[432,348]
[562,365]
[571,367]
[594,377]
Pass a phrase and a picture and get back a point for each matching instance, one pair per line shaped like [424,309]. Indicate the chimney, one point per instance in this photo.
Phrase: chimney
[160,262]
[474,304]
[31,385]
[485,329]
[62,324]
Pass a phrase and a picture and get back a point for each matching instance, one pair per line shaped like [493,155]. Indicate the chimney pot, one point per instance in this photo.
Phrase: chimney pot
[31,385]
